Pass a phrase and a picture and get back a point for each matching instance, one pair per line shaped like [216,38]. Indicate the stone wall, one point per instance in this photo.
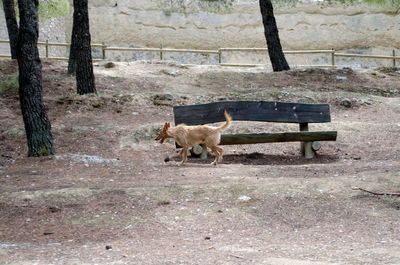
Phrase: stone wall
[143,23]
[306,26]
[53,30]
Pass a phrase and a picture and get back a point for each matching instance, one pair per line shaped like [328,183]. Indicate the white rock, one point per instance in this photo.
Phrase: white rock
[244,198]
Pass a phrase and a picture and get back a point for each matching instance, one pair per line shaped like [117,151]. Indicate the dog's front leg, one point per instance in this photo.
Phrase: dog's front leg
[180,153]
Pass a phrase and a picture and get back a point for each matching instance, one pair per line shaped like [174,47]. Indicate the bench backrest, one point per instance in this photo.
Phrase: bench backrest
[252,111]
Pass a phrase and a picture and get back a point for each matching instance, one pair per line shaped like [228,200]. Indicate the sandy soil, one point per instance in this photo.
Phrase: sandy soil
[108,197]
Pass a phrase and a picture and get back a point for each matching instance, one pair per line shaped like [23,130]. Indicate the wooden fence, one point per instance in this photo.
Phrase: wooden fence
[333,54]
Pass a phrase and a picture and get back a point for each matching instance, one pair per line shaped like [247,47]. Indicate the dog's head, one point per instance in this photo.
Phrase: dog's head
[162,135]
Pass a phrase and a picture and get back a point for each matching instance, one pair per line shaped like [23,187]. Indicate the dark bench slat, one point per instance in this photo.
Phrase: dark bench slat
[256,138]
[252,111]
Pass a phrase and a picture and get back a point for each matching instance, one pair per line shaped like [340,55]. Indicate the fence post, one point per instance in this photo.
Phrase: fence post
[333,57]
[219,55]
[161,54]
[47,48]
[103,50]
[394,58]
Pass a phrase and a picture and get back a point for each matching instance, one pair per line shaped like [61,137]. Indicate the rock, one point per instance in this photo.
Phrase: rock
[346,103]
[163,100]
[341,78]
[168,97]
[244,198]
[109,65]
[54,209]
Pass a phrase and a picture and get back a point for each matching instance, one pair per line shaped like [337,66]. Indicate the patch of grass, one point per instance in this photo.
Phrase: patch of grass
[122,98]
[16,133]
[165,72]
[95,101]
[376,91]
[9,85]
[116,79]
[43,151]
[69,100]
[54,8]
[158,102]
[193,6]
[391,202]
[388,70]
[162,101]
[237,190]
[164,201]
[98,103]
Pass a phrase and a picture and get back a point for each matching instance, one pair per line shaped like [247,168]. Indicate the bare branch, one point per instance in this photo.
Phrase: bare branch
[378,193]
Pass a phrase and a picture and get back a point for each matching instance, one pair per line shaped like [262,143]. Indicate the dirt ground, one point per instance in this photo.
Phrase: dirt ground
[113,195]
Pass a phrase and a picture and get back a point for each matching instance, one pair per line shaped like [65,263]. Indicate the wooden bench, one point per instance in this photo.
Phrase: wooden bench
[263,111]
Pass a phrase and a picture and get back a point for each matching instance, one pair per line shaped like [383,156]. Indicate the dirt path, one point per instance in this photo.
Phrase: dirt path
[108,197]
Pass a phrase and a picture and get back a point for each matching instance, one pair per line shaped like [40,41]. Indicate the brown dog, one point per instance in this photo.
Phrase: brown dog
[189,136]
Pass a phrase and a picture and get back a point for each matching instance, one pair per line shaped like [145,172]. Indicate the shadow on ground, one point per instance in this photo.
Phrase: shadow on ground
[263,159]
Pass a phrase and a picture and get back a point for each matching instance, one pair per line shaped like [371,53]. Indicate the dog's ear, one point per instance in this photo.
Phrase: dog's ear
[168,125]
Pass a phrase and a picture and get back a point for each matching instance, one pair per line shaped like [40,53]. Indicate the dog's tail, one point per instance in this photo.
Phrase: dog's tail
[227,123]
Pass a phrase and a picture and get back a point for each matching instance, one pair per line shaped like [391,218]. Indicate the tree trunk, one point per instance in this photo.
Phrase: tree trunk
[72,56]
[275,52]
[37,125]
[12,26]
[82,50]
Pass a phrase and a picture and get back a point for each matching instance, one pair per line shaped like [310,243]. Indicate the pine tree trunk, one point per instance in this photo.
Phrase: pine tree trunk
[12,26]
[72,49]
[275,52]
[37,125]
[83,53]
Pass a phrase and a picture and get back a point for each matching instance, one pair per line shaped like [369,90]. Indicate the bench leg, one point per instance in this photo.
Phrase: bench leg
[199,151]
[306,147]
[203,152]
[308,151]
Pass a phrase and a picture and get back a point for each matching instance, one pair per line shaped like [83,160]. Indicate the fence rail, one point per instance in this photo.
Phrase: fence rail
[218,52]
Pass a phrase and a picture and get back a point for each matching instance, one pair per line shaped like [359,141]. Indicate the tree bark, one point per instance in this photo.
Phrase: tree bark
[12,26]
[72,49]
[275,52]
[82,50]
[37,125]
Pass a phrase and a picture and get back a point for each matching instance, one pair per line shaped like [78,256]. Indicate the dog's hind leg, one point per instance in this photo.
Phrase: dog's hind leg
[218,154]
[221,152]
